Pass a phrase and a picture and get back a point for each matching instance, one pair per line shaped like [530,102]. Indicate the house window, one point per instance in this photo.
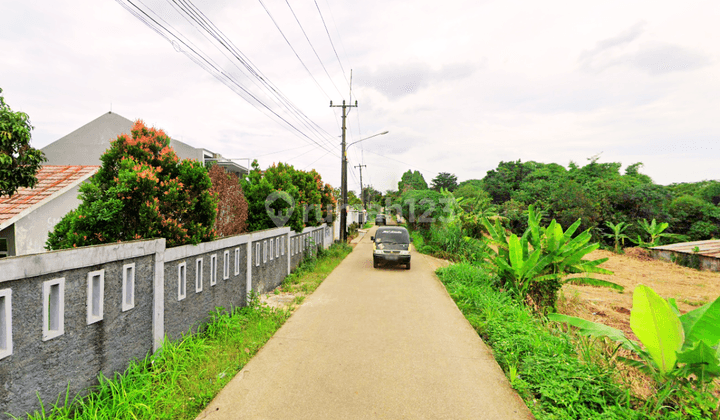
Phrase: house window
[95,296]
[53,308]
[277,247]
[264,252]
[237,261]
[213,269]
[198,275]
[128,287]
[226,265]
[3,248]
[182,281]
[257,254]
[271,249]
[6,344]
[282,247]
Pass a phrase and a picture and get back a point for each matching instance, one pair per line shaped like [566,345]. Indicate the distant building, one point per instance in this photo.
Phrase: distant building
[30,214]
[28,217]
[85,145]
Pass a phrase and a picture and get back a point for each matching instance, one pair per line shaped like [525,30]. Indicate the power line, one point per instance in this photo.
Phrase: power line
[182,44]
[312,46]
[202,20]
[330,38]
[291,47]
[311,163]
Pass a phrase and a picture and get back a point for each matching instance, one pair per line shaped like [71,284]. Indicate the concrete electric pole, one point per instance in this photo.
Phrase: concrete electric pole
[343,173]
[362,195]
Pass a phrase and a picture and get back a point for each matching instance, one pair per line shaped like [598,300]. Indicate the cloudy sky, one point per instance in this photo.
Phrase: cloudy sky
[459,85]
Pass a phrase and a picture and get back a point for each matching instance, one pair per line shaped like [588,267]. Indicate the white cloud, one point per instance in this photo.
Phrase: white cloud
[460,85]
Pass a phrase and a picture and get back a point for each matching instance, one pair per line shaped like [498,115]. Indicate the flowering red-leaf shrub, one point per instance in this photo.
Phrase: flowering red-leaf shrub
[232,209]
[141,191]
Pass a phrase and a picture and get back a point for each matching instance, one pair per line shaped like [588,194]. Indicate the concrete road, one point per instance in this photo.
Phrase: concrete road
[372,343]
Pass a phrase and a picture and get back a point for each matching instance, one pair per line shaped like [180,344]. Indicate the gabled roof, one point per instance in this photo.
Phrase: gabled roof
[53,180]
[85,145]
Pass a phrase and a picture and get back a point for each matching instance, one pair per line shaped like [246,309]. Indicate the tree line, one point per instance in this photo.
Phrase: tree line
[597,194]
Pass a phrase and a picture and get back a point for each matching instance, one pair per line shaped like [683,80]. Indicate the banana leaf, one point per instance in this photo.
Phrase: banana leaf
[594,329]
[658,328]
[703,324]
[701,360]
[588,281]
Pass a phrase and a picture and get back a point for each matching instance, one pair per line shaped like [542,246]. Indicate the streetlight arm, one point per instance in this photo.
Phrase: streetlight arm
[358,141]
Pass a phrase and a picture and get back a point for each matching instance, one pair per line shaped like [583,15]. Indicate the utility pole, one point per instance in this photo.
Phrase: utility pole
[343,173]
[362,195]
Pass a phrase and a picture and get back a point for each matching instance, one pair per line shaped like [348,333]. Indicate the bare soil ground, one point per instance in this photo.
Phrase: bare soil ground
[691,288]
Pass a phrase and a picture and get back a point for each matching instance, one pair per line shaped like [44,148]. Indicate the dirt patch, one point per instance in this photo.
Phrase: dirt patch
[690,288]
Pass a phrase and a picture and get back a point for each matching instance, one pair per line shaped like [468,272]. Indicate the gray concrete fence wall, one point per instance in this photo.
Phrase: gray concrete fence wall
[67,316]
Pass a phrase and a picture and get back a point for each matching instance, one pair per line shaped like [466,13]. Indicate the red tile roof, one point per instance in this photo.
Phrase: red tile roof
[51,179]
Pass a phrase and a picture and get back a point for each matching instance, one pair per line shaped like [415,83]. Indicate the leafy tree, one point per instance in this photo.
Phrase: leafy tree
[18,161]
[501,182]
[476,183]
[633,171]
[695,217]
[232,209]
[710,192]
[371,195]
[444,180]
[569,202]
[412,181]
[423,208]
[595,170]
[296,198]
[353,199]
[141,191]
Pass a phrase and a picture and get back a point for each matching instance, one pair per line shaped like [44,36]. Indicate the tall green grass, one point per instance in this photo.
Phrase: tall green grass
[542,365]
[449,242]
[558,375]
[180,379]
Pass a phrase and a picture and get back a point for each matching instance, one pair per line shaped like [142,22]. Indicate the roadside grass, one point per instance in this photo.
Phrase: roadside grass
[314,269]
[449,243]
[540,361]
[558,373]
[180,379]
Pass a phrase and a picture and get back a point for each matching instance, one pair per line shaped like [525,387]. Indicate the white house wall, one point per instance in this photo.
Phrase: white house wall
[31,231]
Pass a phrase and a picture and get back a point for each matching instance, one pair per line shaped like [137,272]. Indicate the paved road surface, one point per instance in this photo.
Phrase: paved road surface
[372,343]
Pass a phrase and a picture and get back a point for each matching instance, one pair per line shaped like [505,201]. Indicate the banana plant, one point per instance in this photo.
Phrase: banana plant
[671,345]
[522,266]
[555,253]
[617,233]
[655,231]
